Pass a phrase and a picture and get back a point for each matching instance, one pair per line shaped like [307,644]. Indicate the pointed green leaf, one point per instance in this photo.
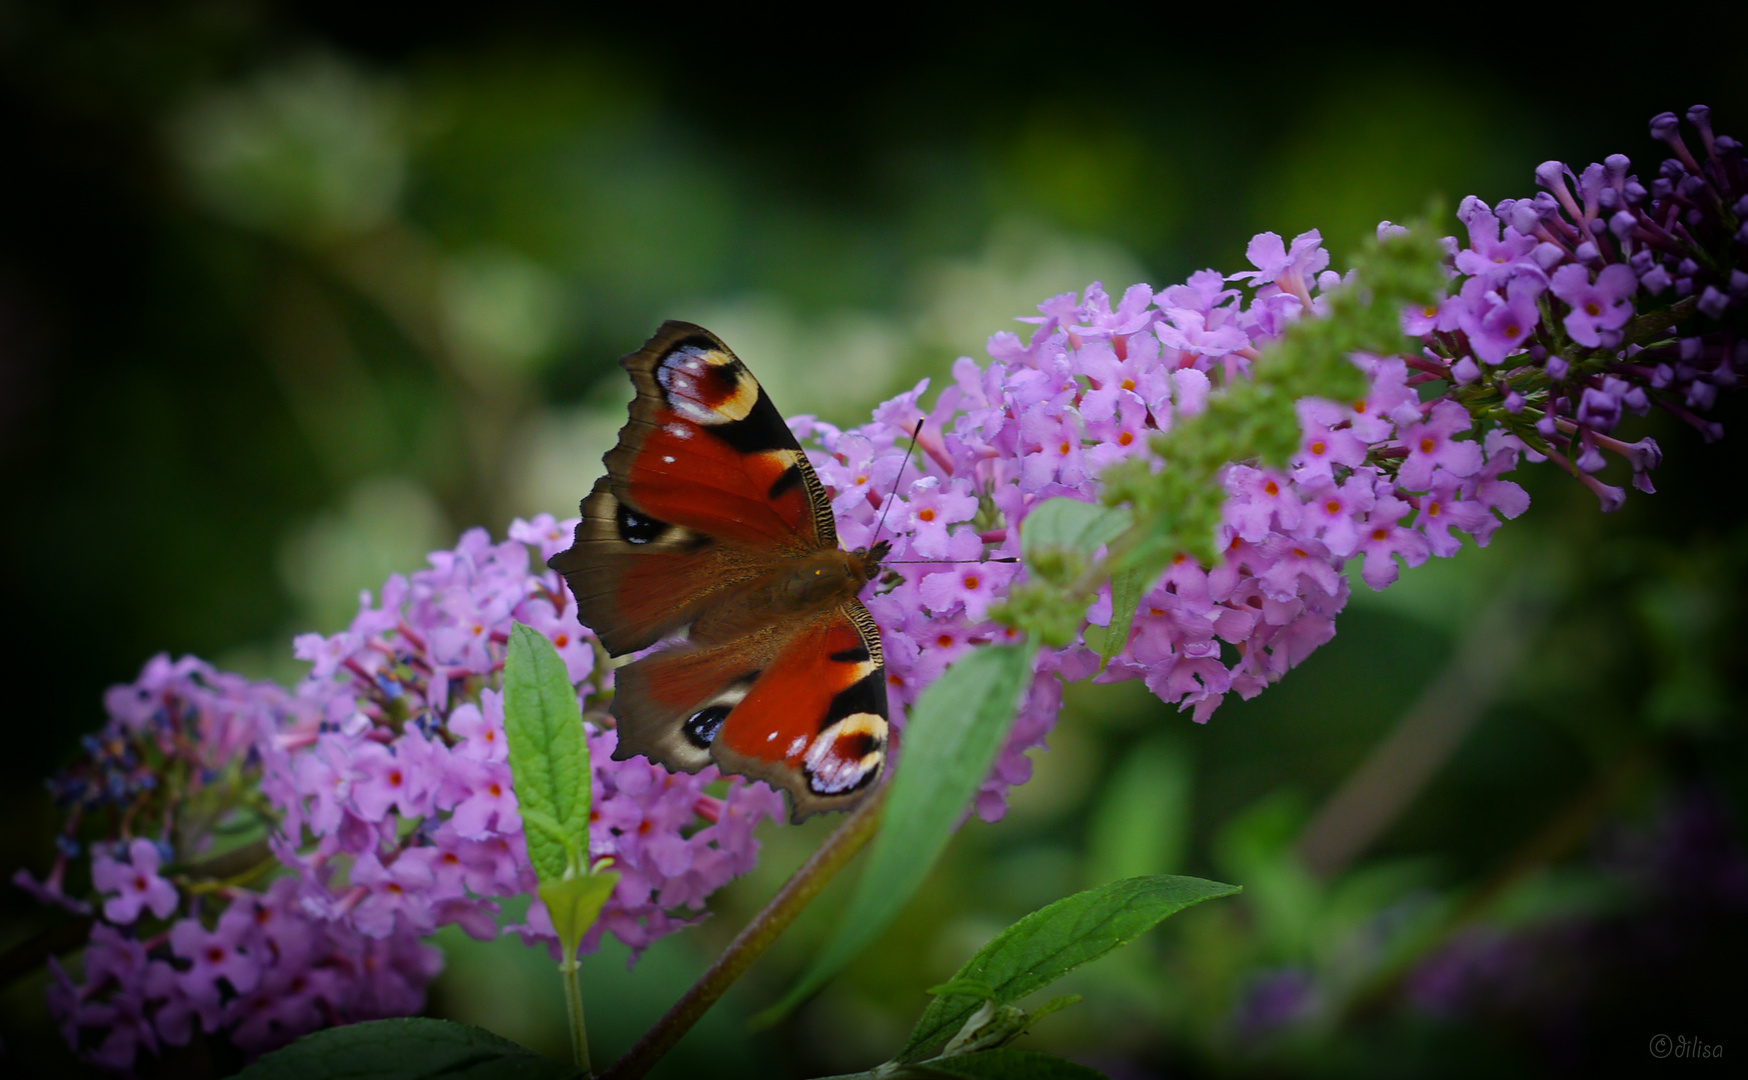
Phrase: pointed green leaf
[1054,940]
[574,904]
[1126,586]
[1071,525]
[950,743]
[963,986]
[414,1048]
[549,756]
[1005,1063]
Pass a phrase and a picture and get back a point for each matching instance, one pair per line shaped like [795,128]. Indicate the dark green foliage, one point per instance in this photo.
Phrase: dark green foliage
[1051,942]
[409,1049]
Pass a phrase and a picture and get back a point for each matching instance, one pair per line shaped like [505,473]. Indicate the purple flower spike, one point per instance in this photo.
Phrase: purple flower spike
[1430,445]
[136,882]
[386,766]
[1604,305]
[1701,117]
[1713,302]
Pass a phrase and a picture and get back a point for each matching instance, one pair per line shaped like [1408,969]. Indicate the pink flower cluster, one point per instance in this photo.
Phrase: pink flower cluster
[1547,285]
[167,958]
[1526,358]
[386,775]
[401,782]
[265,972]
[1088,389]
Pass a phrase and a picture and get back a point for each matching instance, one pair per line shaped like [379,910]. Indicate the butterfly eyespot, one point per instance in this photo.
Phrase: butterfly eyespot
[847,755]
[702,727]
[634,528]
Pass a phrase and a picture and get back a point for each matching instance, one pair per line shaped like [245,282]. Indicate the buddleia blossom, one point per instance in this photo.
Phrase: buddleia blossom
[1090,386]
[382,786]
[175,946]
[396,795]
[1539,337]
[1535,353]
[381,779]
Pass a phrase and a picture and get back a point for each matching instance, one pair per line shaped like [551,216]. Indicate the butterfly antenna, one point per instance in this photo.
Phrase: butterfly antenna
[893,496]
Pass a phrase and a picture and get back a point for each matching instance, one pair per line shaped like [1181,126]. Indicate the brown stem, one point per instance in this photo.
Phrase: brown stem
[1647,326]
[1399,767]
[751,942]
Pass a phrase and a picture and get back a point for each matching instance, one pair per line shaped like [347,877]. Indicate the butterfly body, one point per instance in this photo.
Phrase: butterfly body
[710,522]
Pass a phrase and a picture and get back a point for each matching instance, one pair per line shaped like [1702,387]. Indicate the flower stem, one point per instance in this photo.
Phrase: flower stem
[752,941]
[573,1010]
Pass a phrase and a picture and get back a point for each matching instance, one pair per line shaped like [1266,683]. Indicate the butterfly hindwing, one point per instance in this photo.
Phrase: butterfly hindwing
[815,721]
[804,710]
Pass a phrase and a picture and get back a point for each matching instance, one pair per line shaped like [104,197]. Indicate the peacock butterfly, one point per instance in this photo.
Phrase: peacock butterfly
[710,521]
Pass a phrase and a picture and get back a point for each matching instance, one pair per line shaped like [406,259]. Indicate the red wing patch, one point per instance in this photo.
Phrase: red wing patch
[685,474]
[707,450]
[815,721]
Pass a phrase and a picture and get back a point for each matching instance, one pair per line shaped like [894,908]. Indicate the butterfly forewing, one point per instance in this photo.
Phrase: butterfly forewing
[706,449]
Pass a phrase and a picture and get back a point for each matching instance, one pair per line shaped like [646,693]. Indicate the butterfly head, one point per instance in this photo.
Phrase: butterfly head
[871,558]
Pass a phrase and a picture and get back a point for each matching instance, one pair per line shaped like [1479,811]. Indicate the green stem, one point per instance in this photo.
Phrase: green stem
[839,848]
[573,1009]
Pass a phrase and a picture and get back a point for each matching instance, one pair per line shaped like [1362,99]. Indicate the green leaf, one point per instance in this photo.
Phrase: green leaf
[1126,586]
[950,743]
[1005,1063]
[1054,940]
[1141,821]
[964,986]
[549,756]
[1070,525]
[574,904]
[414,1048]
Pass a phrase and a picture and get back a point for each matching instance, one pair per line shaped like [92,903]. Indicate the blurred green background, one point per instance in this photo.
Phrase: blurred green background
[290,294]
